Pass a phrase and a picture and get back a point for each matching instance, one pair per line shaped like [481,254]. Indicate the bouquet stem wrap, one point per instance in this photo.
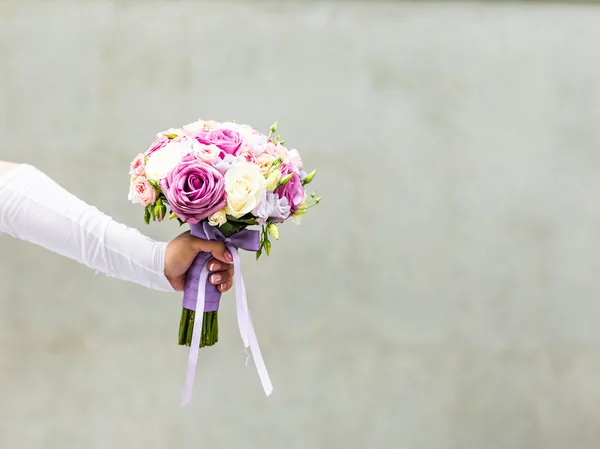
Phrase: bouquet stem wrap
[201,295]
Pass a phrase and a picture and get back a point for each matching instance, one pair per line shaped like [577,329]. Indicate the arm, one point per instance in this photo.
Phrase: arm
[5,167]
[36,209]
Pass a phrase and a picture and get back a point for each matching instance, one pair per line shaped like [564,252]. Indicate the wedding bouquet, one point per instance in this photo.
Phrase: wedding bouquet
[222,179]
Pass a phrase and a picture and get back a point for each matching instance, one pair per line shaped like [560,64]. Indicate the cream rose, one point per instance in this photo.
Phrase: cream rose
[245,186]
[162,161]
[264,162]
[218,218]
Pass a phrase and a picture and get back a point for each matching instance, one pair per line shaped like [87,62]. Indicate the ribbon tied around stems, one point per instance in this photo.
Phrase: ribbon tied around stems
[205,300]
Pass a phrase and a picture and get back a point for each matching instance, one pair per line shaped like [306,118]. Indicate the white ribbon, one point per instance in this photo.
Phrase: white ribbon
[244,322]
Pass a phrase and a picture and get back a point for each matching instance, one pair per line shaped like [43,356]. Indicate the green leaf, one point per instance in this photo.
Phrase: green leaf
[228,229]
[181,222]
[147,215]
[245,222]
[170,135]
[268,247]
[258,254]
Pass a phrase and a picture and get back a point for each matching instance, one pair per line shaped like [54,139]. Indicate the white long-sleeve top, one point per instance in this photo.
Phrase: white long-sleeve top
[36,209]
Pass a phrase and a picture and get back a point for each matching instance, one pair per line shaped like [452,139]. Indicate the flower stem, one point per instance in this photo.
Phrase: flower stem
[208,317]
[183,323]
[190,328]
[209,332]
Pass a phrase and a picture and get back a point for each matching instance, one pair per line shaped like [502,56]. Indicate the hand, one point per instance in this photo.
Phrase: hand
[181,252]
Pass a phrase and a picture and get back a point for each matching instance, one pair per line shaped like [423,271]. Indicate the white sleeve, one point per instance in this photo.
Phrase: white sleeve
[36,209]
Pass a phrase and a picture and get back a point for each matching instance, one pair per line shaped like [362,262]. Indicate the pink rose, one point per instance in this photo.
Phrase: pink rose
[158,144]
[246,154]
[227,140]
[144,192]
[207,153]
[194,189]
[137,166]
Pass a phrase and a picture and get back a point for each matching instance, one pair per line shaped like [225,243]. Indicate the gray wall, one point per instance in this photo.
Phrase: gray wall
[444,295]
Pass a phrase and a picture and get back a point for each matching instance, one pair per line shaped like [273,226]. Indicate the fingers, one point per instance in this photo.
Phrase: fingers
[222,275]
[220,266]
[217,249]
[225,287]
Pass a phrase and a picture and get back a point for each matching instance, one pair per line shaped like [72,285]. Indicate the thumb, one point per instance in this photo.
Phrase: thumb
[217,249]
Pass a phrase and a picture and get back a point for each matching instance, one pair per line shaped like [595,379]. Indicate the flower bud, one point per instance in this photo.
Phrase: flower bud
[160,210]
[273,180]
[273,230]
[285,180]
[301,210]
[309,177]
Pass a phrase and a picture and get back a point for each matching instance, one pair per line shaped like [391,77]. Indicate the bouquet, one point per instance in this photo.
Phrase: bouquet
[224,180]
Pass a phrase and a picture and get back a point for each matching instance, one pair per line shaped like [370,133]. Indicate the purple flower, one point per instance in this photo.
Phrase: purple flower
[194,189]
[272,207]
[293,191]
[224,164]
[227,140]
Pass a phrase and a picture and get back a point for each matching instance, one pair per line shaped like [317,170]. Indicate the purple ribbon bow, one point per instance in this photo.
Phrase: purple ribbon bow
[202,295]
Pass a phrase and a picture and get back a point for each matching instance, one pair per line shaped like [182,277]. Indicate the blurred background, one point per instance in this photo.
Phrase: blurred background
[444,295]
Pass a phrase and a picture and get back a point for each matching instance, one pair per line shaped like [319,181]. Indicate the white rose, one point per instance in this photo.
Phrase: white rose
[195,127]
[234,127]
[162,161]
[245,186]
[218,218]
